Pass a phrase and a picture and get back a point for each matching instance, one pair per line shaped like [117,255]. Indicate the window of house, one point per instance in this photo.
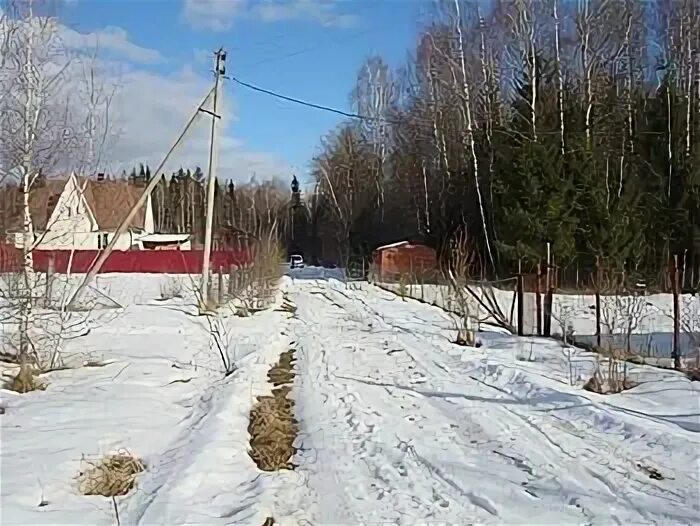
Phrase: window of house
[102,241]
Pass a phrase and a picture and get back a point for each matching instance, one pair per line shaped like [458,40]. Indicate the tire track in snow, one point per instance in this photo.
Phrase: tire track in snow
[388,485]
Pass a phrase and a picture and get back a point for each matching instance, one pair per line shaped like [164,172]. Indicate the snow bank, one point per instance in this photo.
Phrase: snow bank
[162,396]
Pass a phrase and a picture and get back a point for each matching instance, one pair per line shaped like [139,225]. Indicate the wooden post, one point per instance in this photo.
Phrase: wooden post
[521,300]
[547,322]
[221,285]
[675,354]
[597,302]
[547,325]
[538,298]
[548,279]
[210,285]
[49,279]
[231,274]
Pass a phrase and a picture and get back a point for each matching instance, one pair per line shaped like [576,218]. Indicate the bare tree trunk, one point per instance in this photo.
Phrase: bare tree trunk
[560,79]
[586,66]
[470,131]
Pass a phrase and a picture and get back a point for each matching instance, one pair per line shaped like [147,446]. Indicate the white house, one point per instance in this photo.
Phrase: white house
[84,214]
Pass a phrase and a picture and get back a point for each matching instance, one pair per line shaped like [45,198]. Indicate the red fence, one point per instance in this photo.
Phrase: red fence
[134,261]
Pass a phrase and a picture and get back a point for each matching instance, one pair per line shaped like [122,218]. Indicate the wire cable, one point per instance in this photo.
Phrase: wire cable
[305,103]
[394,121]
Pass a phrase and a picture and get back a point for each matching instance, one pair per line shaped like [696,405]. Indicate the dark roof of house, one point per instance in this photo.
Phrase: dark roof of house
[109,201]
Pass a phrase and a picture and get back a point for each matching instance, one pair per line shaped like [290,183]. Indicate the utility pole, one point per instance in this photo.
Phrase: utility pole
[124,225]
[219,71]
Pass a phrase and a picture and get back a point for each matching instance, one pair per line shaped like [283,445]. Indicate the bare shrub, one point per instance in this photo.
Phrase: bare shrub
[610,375]
[565,318]
[254,288]
[26,380]
[690,325]
[460,265]
[622,311]
[529,357]
[111,476]
[222,343]
[171,288]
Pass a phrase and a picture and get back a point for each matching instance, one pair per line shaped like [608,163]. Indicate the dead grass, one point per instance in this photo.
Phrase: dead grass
[26,381]
[610,377]
[111,476]
[287,305]
[272,425]
[693,374]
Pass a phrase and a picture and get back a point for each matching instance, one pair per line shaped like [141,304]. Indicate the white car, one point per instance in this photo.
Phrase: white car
[296,261]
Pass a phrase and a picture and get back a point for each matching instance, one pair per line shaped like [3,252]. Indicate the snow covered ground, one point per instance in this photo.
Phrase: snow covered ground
[653,314]
[397,424]
[402,426]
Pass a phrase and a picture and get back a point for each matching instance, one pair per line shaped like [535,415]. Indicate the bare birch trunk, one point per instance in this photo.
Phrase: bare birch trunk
[560,79]
[470,132]
[586,64]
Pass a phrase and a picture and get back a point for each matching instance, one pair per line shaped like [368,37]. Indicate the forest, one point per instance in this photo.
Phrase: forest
[570,123]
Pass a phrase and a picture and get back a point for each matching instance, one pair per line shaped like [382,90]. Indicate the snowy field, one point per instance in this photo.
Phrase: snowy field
[397,424]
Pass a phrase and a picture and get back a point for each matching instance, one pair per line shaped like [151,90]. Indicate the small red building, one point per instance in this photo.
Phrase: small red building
[404,258]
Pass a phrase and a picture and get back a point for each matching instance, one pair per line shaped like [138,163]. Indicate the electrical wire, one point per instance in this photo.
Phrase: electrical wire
[305,103]
[390,121]
[303,51]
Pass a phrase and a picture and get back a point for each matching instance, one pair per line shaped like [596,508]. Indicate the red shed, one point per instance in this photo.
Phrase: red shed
[404,258]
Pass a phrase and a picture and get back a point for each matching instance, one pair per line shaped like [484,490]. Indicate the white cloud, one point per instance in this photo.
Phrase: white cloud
[148,110]
[323,12]
[113,40]
[216,15]
[152,110]
[219,15]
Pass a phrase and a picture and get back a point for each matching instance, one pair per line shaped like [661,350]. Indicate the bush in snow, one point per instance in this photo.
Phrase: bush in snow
[170,288]
[26,380]
[610,375]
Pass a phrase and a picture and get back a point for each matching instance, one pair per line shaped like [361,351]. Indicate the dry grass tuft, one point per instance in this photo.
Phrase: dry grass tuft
[611,379]
[282,372]
[272,425]
[26,380]
[111,476]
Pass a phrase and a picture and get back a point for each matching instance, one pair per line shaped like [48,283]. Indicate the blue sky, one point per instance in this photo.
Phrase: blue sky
[309,49]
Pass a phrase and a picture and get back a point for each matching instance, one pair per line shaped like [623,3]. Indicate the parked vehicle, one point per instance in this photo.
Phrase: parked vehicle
[296,261]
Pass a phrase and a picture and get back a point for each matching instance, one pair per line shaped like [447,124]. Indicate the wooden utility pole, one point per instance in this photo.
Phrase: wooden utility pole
[520,291]
[95,268]
[219,71]
[675,351]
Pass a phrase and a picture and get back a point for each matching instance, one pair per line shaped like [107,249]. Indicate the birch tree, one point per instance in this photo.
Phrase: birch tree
[40,120]
[374,96]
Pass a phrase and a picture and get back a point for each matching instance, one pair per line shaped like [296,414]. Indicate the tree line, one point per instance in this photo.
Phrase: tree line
[530,122]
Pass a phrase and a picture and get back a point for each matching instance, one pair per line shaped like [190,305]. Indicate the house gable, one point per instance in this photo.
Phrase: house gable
[71,212]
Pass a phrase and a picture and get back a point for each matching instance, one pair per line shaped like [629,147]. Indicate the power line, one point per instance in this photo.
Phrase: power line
[393,121]
[305,103]
[304,50]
